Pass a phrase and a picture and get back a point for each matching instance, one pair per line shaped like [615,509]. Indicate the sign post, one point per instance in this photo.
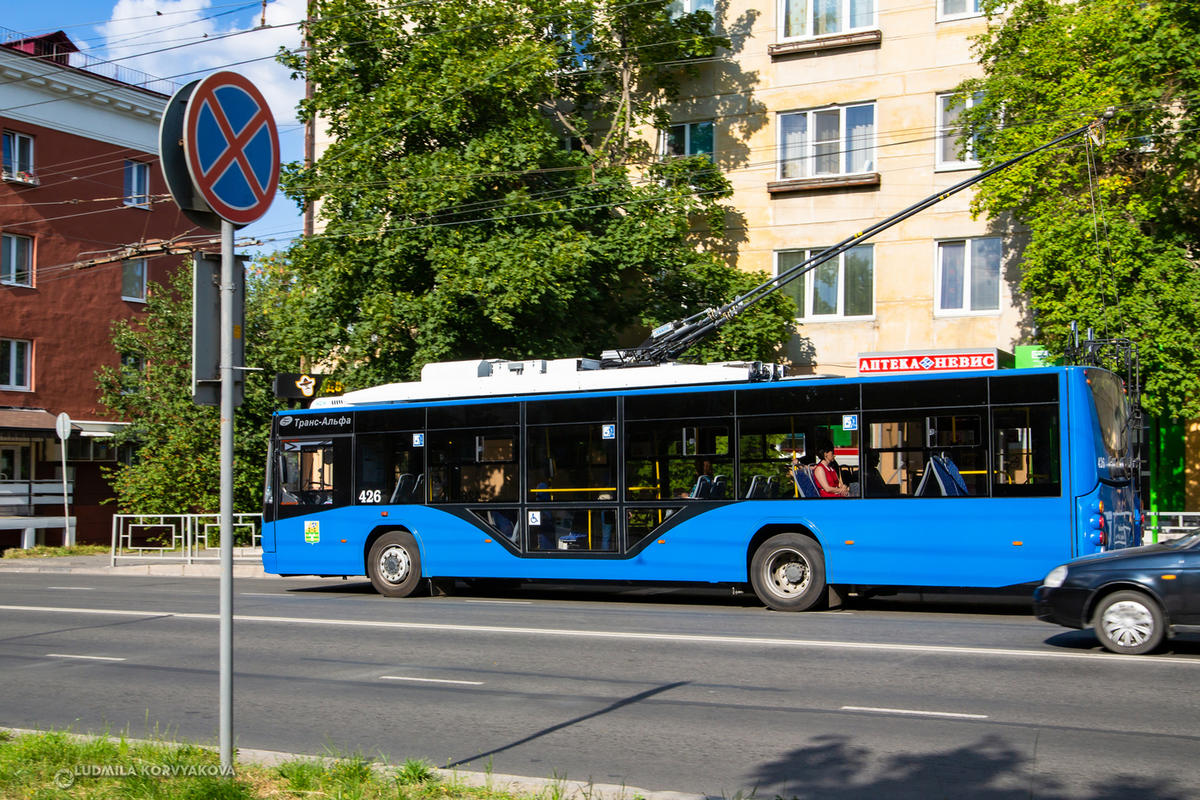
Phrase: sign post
[62,426]
[227,136]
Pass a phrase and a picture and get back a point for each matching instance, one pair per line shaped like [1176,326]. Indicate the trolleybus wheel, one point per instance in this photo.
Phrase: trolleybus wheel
[1129,622]
[394,564]
[788,572]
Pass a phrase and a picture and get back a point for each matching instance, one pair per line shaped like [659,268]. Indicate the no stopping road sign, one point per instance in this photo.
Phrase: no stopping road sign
[231,147]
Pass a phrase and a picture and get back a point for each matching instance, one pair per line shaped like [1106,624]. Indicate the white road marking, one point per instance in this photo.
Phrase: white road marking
[679,638]
[88,658]
[73,588]
[264,594]
[914,713]
[501,602]
[428,680]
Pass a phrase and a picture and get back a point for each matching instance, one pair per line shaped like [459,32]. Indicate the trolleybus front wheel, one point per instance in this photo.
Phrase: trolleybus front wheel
[788,572]
[394,564]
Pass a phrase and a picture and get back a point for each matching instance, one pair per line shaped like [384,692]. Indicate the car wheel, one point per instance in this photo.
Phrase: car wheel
[1129,622]
[788,572]
[394,564]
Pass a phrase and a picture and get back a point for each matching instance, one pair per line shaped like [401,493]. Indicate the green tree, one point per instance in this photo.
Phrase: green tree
[487,193]
[1112,225]
[177,467]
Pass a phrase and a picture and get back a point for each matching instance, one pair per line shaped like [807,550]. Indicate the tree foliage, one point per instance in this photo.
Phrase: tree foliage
[177,468]
[458,222]
[1113,226]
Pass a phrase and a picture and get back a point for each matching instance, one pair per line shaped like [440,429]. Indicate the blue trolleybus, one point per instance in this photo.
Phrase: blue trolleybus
[561,470]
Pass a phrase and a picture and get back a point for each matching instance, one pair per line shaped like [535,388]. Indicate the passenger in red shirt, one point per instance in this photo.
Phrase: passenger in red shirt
[829,482]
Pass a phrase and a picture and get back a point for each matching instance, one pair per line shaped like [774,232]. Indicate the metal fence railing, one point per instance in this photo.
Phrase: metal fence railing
[1162,526]
[185,538]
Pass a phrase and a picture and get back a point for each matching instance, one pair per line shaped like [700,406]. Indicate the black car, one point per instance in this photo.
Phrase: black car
[1133,598]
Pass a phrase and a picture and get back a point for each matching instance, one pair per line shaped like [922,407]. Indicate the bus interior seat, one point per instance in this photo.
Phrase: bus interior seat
[949,479]
[770,491]
[701,488]
[805,485]
[417,494]
[720,485]
[758,488]
[404,486]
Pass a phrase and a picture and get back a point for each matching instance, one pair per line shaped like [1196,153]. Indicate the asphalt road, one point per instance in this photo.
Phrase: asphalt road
[662,689]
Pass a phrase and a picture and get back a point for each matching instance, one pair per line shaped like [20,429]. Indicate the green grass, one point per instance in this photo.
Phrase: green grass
[42,551]
[57,765]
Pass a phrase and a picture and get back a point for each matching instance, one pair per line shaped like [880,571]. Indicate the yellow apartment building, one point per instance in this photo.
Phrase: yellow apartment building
[828,116]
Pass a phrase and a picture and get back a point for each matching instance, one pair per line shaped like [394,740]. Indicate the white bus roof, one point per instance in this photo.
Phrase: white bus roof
[497,377]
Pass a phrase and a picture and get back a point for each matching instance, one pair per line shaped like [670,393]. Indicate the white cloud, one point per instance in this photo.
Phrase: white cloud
[187,39]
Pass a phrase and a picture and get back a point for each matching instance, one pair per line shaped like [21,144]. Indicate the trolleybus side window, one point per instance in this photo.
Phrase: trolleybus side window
[931,453]
[391,468]
[473,465]
[772,449]
[683,459]
[1025,451]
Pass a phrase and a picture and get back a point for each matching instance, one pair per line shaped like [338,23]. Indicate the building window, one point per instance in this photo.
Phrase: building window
[133,279]
[16,260]
[137,184]
[953,9]
[14,363]
[689,139]
[841,288]
[680,7]
[968,275]
[18,157]
[829,141]
[824,17]
[949,109]
[131,373]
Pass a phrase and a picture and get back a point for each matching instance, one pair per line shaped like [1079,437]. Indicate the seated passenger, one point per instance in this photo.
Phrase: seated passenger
[827,476]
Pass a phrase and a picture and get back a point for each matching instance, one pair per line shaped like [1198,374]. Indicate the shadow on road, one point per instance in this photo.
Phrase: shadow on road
[611,707]
[835,768]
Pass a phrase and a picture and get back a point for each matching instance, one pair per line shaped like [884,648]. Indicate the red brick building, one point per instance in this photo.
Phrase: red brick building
[80,181]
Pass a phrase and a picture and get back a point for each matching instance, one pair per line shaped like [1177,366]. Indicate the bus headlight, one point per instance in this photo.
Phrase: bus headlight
[1056,576]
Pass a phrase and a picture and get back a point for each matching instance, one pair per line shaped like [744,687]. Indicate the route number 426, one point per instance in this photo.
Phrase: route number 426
[370,496]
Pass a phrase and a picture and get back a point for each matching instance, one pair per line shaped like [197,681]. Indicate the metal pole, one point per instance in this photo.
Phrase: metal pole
[66,509]
[226,525]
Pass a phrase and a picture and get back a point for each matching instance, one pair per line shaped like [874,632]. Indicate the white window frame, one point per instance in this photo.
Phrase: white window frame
[137,184]
[804,309]
[844,15]
[845,149]
[134,263]
[8,250]
[9,354]
[968,258]
[16,171]
[687,128]
[680,7]
[945,131]
[975,11]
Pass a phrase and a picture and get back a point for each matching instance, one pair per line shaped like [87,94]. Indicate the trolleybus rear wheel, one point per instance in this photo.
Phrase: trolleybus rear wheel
[394,564]
[788,572]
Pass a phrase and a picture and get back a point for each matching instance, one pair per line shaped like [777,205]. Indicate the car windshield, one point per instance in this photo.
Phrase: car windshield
[1191,540]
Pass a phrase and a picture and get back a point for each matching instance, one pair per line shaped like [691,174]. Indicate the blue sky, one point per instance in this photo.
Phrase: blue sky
[187,39]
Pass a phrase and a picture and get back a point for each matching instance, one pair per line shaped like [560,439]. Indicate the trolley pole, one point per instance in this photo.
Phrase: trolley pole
[226,604]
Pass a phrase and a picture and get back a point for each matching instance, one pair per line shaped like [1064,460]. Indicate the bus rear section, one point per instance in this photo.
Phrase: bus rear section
[1108,513]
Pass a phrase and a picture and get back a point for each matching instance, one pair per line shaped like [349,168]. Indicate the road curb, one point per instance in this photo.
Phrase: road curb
[560,788]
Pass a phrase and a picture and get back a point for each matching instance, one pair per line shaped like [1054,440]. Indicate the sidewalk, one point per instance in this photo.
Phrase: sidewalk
[100,565]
